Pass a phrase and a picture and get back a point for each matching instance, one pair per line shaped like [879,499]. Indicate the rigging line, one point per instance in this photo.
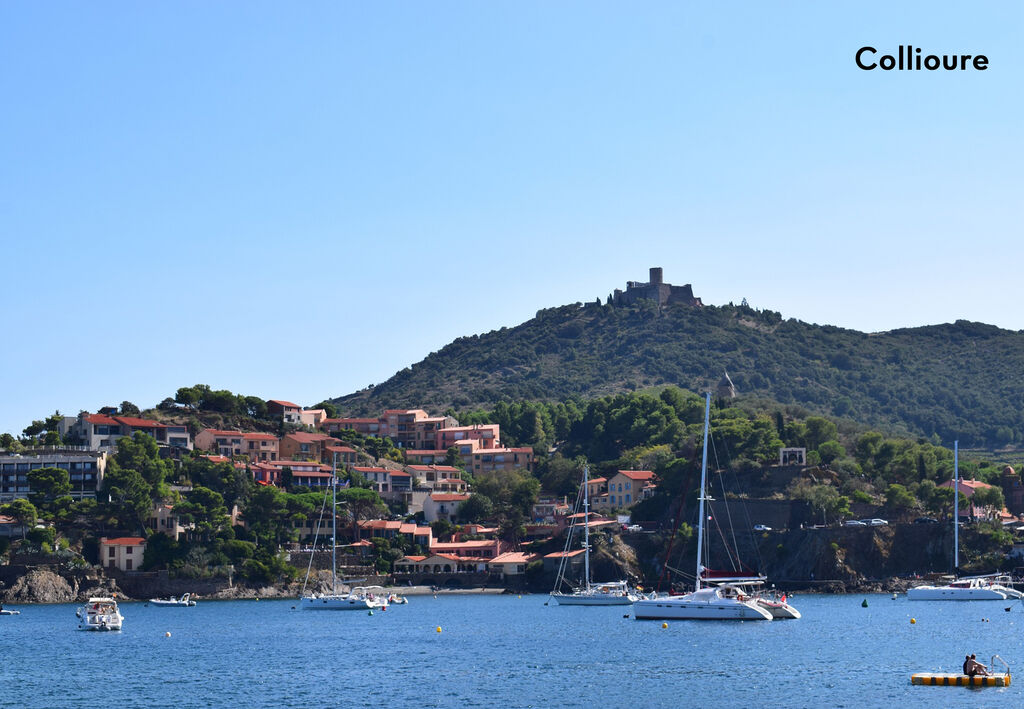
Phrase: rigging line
[733,561]
[560,578]
[677,523]
[316,536]
[725,500]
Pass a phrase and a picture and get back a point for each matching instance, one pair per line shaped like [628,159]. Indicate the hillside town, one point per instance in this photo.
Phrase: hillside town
[420,525]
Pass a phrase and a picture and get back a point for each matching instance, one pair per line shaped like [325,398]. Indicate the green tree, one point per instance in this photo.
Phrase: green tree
[46,485]
[477,508]
[142,454]
[359,504]
[205,509]
[898,499]
[989,499]
[23,512]
[830,451]
[129,409]
[129,496]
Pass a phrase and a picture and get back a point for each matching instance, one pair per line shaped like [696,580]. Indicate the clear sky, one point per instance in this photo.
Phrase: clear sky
[296,200]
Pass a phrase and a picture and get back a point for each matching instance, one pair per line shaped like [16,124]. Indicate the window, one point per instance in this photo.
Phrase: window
[127,564]
[110,552]
[128,550]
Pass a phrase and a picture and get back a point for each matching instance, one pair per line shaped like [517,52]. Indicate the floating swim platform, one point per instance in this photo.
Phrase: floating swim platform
[939,679]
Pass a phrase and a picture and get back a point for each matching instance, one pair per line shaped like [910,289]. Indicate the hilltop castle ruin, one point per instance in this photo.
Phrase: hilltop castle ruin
[657,290]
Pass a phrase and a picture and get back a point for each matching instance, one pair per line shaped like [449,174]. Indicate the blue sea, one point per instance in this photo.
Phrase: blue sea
[508,650]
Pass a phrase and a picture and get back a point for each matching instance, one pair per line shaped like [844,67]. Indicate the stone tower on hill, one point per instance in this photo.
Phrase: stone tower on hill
[657,290]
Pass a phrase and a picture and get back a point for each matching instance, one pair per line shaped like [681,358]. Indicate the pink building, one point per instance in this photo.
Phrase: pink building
[309,446]
[488,436]
[286,410]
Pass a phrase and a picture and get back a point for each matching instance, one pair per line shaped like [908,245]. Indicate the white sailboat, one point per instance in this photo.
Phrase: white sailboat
[723,601]
[611,593]
[977,588]
[335,601]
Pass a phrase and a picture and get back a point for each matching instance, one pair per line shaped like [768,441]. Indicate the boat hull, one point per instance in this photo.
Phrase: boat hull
[779,610]
[682,608]
[335,603]
[947,593]
[594,599]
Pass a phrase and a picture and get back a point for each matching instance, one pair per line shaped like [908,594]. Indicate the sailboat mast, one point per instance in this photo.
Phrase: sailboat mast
[586,525]
[956,508]
[703,477]
[334,526]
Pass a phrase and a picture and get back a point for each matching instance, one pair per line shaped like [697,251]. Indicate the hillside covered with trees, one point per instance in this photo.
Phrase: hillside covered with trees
[944,382]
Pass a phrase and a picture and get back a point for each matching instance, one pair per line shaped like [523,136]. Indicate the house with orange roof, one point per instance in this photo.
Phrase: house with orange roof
[573,561]
[286,410]
[483,460]
[226,443]
[102,431]
[261,446]
[625,488]
[344,455]
[365,426]
[476,549]
[488,435]
[967,488]
[426,456]
[439,478]
[443,505]
[312,417]
[124,553]
[512,563]
[307,446]
[309,473]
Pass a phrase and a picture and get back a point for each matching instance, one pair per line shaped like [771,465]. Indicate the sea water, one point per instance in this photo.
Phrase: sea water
[505,650]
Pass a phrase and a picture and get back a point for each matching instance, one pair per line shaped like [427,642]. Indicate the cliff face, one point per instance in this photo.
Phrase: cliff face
[48,584]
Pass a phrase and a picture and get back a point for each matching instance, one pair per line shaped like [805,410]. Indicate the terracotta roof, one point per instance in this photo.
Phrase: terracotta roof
[596,480]
[287,404]
[100,419]
[260,436]
[139,423]
[513,557]
[309,437]
[124,541]
[560,554]
[637,474]
[340,449]
[350,420]
[412,558]
[448,497]
[218,432]
[400,474]
[216,458]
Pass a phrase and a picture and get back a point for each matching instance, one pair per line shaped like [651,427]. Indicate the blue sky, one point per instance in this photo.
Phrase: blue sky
[298,200]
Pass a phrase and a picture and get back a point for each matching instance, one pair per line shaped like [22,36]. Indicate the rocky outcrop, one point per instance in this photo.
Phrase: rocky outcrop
[41,585]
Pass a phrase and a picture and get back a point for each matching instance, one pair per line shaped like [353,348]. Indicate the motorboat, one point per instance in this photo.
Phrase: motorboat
[99,614]
[992,587]
[395,599]
[719,601]
[371,596]
[184,601]
[609,593]
[6,611]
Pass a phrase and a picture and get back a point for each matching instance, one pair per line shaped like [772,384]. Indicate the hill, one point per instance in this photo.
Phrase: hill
[943,382]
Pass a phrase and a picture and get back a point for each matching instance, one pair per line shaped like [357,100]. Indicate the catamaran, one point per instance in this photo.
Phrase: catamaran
[610,593]
[975,588]
[722,601]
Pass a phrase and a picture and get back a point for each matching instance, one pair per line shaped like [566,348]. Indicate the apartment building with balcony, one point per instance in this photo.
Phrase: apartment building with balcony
[85,470]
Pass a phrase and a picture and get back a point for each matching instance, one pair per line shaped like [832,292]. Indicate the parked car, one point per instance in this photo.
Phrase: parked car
[854,523]
[762,528]
[634,528]
[875,522]
[926,520]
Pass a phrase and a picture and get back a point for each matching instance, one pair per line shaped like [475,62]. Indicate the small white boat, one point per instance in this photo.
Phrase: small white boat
[184,601]
[395,599]
[99,614]
[4,611]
